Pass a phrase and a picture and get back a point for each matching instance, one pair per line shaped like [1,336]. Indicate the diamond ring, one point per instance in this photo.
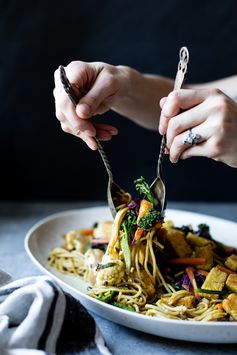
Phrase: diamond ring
[191,138]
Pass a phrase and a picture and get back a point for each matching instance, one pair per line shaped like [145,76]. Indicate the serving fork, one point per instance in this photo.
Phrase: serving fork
[114,191]
[158,187]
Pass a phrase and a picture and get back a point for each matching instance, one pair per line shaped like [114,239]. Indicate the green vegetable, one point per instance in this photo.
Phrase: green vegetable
[212,292]
[185,229]
[104,266]
[128,224]
[150,219]
[204,228]
[106,297]
[123,306]
[143,188]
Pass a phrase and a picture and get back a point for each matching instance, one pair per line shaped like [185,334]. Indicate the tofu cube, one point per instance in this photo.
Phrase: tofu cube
[231,282]
[205,252]
[231,262]
[196,241]
[230,305]
[178,243]
[187,301]
[215,281]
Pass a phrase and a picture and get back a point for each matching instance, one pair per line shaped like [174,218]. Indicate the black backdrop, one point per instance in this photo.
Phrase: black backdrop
[38,160]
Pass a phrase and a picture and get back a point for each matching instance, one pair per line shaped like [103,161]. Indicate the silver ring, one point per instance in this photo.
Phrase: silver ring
[191,138]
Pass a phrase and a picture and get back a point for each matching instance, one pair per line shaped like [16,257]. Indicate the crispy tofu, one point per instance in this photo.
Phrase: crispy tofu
[231,262]
[187,301]
[178,243]
[215,281]
[205,252]
[231,282]
[230,305]
[145,206]
[196,241]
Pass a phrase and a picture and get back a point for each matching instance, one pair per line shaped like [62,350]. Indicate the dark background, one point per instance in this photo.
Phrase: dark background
[38,160]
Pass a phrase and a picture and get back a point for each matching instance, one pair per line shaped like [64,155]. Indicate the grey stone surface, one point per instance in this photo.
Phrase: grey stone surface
[17,218]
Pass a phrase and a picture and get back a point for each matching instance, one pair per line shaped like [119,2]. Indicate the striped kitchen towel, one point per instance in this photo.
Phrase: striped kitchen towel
[37,317]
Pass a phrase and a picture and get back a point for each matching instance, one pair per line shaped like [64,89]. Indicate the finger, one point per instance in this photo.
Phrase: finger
[106,127]
[178,147]
[162,102]
[104,88]
[206,149]
[88,140]
[180,100]
[185,120]
[103,135]
[66,128]
[77,123]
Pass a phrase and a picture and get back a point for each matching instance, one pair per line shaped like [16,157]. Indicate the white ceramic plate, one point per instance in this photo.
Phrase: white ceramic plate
[47,234]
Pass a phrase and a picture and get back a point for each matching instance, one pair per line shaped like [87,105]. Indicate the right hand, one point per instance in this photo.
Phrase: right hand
[98,85]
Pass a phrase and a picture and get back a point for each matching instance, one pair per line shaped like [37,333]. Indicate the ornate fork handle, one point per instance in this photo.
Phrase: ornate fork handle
[181,71]
[73,97]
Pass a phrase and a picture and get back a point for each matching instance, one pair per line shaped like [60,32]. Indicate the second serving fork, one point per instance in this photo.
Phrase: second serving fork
[158,185]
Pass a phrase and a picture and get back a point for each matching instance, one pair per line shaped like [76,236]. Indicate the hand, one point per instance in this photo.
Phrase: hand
[209,113]
[98,85]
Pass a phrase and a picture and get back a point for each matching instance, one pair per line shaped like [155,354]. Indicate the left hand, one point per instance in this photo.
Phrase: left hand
[209,113]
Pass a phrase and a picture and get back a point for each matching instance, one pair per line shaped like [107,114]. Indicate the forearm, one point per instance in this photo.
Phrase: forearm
[140,99]
[227,85]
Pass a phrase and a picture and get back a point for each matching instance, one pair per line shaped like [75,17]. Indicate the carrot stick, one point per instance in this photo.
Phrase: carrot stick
[225,269]
[188,261]
[138,233]
[158,225]
[219,306]
[189,271]
[88,231]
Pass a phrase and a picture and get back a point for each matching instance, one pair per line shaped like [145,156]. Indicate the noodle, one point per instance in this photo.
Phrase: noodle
[148,266]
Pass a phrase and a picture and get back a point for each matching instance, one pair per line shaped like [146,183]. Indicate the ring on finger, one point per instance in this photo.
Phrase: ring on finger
[191,138]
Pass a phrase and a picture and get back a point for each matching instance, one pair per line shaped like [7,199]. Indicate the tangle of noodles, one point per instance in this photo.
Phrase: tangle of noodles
[150,273]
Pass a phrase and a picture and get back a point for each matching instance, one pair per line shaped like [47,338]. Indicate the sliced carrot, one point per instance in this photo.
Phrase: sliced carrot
[158,225]
[88,231]
[219,307]
[225,269]
[138,233]
[189,271]
[188,261]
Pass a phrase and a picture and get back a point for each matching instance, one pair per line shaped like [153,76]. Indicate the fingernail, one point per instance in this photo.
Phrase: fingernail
[91,145]
[114,132]
[161,131]
[174,161]
[84,109]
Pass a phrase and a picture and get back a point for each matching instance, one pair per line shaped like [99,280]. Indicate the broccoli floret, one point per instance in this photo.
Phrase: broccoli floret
[129,222]
[150,219]
[203,228]
[143,188]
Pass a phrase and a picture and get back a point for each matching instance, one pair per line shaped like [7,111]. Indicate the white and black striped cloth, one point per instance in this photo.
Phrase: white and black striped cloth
[37,317]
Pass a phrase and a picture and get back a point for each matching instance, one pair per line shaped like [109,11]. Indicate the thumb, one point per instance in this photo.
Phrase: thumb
[103,88]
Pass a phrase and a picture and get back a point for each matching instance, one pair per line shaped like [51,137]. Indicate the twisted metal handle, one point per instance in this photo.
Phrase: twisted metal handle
[181,71]
[74,99]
